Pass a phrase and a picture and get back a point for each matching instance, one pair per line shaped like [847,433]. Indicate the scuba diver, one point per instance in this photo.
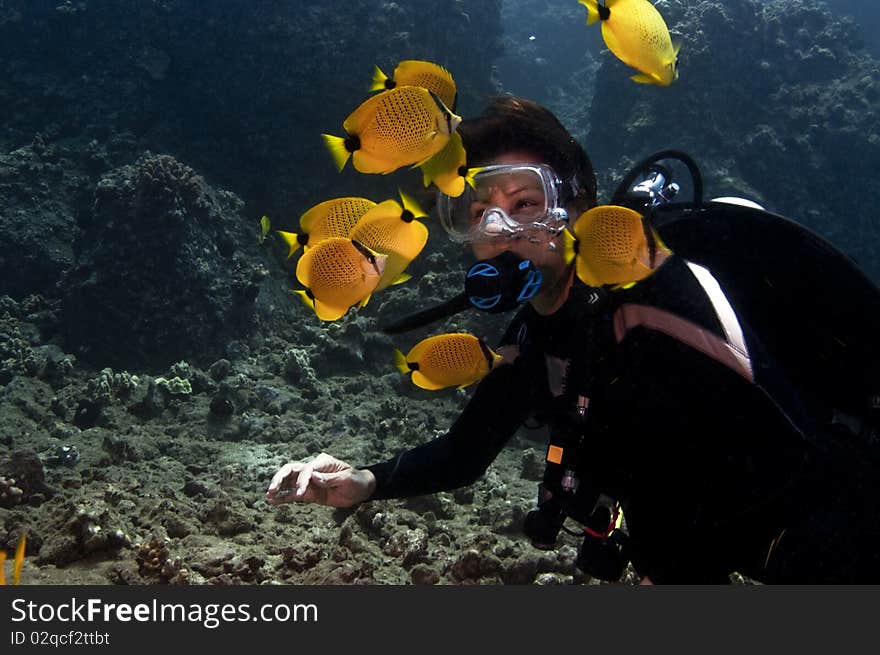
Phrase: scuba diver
[665,398]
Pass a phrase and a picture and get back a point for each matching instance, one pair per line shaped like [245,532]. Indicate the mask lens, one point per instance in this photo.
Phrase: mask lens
[509,196]
[521,194]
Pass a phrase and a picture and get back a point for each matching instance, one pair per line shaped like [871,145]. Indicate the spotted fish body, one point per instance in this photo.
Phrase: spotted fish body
[338,273]
[447,360]
[405,126]
[637,35]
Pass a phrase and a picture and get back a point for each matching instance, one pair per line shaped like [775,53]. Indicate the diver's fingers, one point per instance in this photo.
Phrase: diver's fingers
[282,480]
[302,481]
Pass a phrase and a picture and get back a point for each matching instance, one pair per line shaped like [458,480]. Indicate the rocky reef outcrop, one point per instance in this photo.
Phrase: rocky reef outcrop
[239,91]
[165,269]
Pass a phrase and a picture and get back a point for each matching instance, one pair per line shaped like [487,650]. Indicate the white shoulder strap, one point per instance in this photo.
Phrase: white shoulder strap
[725,313]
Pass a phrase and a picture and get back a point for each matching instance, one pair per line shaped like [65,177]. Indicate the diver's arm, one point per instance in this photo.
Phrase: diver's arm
[456,459]
[499,406]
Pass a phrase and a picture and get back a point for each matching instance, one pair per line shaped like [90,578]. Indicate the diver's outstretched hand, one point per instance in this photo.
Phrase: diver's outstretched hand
[324,480]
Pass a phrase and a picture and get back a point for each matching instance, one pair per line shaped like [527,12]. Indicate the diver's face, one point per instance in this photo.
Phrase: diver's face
[517,199]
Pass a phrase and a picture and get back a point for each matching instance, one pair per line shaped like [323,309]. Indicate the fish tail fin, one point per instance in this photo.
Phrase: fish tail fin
[400,363]
[306,299]
[338,150]
[569,246]
[19,559]
[592,10]
[292,240]
[410,204]
[470,175]
[379,80]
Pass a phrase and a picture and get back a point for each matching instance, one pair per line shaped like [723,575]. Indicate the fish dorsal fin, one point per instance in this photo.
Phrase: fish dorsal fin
[569,246]
[444,168]
[385,210]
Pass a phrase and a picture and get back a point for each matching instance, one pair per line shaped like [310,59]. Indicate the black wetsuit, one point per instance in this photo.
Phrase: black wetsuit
[711,469]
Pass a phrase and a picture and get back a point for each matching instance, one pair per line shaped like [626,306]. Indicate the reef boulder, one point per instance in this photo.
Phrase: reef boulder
[166,269]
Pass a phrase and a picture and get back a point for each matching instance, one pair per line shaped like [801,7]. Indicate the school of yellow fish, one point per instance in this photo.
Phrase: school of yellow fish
[354,247]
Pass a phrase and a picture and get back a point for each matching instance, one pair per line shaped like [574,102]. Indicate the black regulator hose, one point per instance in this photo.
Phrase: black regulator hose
[430,315]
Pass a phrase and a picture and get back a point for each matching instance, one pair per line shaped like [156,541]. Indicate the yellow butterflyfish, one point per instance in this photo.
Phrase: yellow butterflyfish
[392,229]
[447,360]
[338,273]
[414,72]
[331,218]
[637,35]
[405,126]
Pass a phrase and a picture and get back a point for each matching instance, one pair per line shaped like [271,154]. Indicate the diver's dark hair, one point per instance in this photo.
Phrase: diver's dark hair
[511,123]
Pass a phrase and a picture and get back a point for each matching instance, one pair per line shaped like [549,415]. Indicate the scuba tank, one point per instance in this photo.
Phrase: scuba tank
[817,312]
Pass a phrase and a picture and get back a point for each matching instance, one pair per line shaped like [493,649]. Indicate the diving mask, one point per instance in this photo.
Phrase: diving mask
[507,200]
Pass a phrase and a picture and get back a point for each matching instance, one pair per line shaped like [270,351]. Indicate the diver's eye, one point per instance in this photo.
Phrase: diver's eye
[525,203]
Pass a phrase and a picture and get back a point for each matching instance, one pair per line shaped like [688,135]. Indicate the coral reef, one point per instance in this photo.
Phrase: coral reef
[165,269]
[41,191]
